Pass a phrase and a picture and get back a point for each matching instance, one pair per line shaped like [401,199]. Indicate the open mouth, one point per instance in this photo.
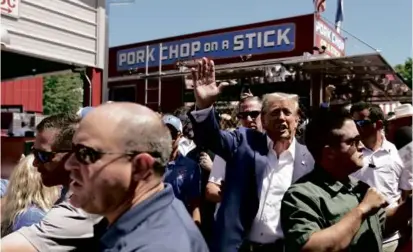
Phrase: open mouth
[75,184]
[282,127]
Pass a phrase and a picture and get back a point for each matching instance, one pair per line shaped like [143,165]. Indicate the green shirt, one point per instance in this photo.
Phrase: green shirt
[317,202]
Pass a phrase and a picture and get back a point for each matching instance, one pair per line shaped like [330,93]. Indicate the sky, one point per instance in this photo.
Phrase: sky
[384,25]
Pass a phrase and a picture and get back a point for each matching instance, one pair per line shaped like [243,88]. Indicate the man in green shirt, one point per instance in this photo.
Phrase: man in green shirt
[326,210]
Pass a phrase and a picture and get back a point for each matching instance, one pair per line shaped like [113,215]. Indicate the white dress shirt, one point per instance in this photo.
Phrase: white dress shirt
[406,180]
[185,145]
[266,227]
[218,170]
[383,170]
[217,175]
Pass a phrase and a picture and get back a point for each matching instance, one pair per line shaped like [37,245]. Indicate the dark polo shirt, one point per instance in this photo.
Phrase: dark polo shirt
[317,202]
[160,223]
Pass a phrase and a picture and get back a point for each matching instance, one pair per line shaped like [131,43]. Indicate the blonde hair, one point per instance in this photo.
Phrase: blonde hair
[269,99]
[25,189]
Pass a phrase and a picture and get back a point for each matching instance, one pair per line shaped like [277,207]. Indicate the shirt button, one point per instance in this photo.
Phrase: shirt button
[262,234]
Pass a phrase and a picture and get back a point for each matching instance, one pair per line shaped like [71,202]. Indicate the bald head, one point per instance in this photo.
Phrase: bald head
[132,127]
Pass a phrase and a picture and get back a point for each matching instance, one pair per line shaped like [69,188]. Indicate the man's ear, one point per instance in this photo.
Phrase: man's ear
[379,124]
[142,165]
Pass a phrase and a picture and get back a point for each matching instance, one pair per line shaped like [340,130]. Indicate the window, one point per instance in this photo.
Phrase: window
[126,94]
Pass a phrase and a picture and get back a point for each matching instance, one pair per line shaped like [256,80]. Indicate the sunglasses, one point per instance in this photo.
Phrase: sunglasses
[245,114]
[46,156]
[87,155]
[362,123]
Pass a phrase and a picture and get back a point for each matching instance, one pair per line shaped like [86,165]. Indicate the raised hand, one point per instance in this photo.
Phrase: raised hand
[206,89]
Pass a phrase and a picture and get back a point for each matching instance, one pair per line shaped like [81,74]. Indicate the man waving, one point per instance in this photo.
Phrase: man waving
[260,167]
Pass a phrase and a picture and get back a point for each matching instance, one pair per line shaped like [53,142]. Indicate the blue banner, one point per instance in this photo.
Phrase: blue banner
[268,39]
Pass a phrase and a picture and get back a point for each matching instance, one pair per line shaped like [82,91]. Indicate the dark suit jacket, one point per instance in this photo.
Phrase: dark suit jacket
[245,152]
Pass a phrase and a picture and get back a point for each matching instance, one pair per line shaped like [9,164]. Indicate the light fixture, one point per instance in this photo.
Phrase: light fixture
[5,37]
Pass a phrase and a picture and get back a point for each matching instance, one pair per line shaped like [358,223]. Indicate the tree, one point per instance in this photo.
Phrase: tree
[405,70]
[62,93]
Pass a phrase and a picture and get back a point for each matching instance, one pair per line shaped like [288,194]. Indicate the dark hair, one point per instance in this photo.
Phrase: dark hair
[247,98]
[359,106]
[319,131]
[65,124]
[376,113]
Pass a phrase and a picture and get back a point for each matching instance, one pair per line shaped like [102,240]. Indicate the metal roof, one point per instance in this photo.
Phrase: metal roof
[364,65]
[369,69]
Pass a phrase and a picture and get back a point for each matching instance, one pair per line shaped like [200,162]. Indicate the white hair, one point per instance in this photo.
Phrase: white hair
[269,99]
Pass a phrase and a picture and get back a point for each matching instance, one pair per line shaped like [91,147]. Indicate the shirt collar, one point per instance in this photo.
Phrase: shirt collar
[291,148]
[330,183]
[136,215]
[385,146]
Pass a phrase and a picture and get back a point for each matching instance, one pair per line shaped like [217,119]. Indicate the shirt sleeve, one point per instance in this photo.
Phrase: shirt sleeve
[64,228]
[31,216]
[201,115]
[218,170]
[406,177]
[300,218]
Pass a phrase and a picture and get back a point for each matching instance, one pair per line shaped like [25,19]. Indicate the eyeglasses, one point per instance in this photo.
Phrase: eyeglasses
[87,155]
[46,156]
[352,142]
[362,123]
[245,114]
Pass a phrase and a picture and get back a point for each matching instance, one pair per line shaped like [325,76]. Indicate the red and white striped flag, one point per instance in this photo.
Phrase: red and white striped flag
[319,5]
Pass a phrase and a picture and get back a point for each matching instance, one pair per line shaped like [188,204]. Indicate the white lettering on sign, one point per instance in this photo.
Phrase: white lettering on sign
[10,8]
[329,34]
[176,51]
[275,38]
[225,45]
[259,39]
[133,57]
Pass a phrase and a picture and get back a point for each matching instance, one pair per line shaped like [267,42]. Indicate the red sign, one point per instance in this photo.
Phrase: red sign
[326,36]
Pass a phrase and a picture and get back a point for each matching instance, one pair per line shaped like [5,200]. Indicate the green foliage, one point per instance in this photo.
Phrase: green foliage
[62,93]
[405,70]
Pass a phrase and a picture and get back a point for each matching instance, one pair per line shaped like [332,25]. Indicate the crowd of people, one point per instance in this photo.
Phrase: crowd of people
[121,177]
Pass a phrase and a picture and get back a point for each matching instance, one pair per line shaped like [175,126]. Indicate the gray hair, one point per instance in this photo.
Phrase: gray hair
[147,134]
[269,99]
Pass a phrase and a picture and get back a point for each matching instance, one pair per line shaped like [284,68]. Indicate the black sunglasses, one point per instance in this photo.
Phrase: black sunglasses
[245,114]
[87,155]
[362,123]
[46,156]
